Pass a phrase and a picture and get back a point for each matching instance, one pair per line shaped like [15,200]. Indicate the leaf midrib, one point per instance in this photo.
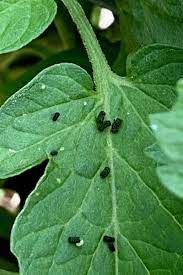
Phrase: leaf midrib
[110,153]
[114,221]
[106,88]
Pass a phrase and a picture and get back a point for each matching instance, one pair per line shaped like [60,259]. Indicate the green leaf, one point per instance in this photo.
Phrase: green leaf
[144,22]
[71,198]
[23,20]
[168,129]
[154,151]
[57,88]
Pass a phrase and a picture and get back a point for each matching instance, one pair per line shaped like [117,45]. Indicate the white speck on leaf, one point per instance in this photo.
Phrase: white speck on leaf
[58,180]
[62,149]
[85,103]
[80,243]
[154,127]
[12,151]
[43,86]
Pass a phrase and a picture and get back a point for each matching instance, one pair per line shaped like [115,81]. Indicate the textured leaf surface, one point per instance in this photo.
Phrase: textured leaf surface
[168,129]
[144,22]
[23,20]
[71,198]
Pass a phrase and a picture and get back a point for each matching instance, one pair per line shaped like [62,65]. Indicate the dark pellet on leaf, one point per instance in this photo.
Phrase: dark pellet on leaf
[100,117]
[108,239]
[111,247]
[103,125]
[53,153]
[105,172]
[106,123]
[55,116]
[74,240]
[116,125]
[100,127]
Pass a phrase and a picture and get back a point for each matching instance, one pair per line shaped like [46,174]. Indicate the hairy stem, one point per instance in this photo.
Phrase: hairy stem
[96,56]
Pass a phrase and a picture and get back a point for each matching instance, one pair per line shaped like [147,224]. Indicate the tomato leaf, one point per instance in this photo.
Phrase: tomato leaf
[146,22]
[168,129]
[71,199]
[23,20]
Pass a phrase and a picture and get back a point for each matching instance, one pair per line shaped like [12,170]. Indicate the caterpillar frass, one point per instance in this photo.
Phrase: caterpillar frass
[100,117]
[116,125]
[55,116]
[53,153]
[111,247]
[74,240]
[105,172]
[103,125]
[108,239]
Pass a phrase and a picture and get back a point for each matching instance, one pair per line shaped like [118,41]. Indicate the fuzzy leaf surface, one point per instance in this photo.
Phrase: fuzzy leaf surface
[71,199]
[23,20]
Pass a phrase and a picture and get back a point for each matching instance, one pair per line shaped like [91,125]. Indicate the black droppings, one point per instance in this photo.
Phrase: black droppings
[108,239]
[100,117]
[103,125]
[55,116]
[74,240]
[105,172]
[110,242]
[53,153]
[116,125]
[111,246]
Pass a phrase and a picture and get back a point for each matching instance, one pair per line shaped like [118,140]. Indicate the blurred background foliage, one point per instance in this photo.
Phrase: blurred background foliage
[59,43]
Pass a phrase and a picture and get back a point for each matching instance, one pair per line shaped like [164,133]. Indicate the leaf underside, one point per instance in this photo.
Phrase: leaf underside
[168,129]
[23,20]
[71,199]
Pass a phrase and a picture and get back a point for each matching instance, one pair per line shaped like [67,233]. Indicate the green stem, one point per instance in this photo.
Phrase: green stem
[96,56]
